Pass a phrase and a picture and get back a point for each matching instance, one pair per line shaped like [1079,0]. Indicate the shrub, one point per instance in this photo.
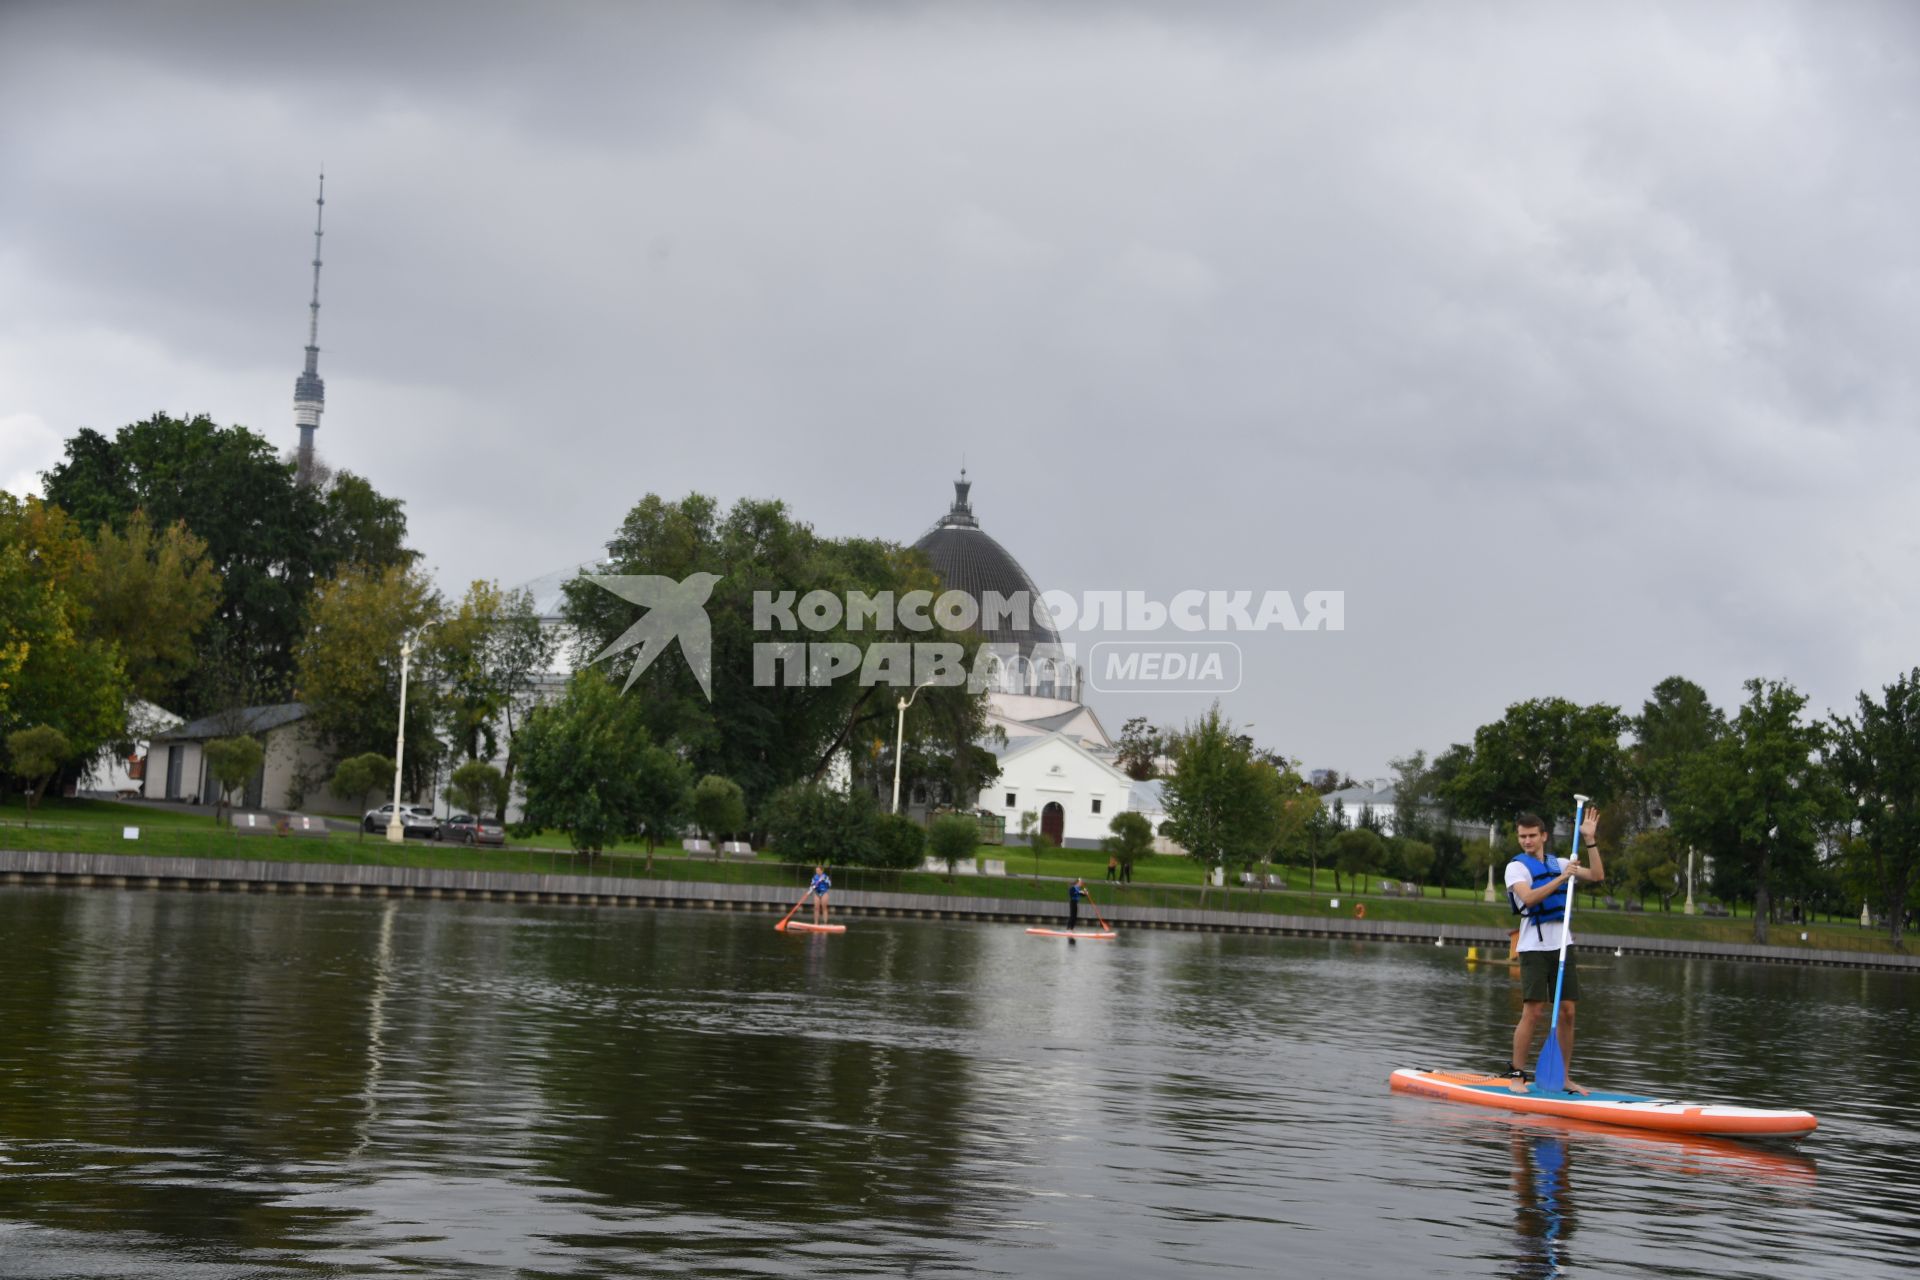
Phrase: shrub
[953,837]
[810,822]
[719,807]
[476,787]
[899,842]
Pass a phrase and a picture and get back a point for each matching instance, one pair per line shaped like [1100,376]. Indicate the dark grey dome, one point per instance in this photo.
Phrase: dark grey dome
[968,559]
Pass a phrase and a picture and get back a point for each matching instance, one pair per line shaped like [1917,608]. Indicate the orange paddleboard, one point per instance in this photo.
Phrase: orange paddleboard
[799,926]
[1628,1110]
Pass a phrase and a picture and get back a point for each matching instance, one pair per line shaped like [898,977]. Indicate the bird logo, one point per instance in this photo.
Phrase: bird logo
[675,611]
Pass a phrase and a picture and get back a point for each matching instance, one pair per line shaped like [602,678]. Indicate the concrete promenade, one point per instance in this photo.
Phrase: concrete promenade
[235,875]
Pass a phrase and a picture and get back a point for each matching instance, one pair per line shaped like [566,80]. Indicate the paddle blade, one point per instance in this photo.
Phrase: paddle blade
[1551,1071]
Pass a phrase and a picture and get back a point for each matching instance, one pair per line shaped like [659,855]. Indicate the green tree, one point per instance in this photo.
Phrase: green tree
[36,754]
[899,843]
[150,593]
[589,764]
[663,796]
[813,822]
[768,725]
[1412,794]
[489,656]
[1317,837]
[1139,750]
[1293,806]
[231,490]
[475,787]
[1218,801]
[1036,838]
[359,777]
[232,761]
[1875,756]
[53,670]
[1535,757]
[1132,840]
[359,525]
[1649,863]
[1356,853]
[719,807]
[1755,799]
[952,837]
[1678,723]
[349,666]
[1413,859]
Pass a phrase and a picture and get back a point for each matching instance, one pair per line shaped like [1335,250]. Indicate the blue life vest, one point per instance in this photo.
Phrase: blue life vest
[1550,908]
[1075,893]
[821,885]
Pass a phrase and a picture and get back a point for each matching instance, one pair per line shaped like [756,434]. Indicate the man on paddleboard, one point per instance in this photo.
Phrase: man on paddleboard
[818,892]
[1538,884]
[1076,893]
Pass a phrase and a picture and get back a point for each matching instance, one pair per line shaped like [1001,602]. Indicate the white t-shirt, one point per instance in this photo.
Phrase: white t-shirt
[1546,935]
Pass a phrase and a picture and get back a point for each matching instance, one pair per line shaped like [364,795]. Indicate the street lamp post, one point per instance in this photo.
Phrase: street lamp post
[1491,829]
[396,830]
[900,740]
[1689,907]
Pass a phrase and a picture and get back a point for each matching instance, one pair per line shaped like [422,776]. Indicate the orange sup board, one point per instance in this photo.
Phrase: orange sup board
[1632,1111]
[798,926]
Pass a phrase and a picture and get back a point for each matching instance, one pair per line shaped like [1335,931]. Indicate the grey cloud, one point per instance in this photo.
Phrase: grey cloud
[1451,307]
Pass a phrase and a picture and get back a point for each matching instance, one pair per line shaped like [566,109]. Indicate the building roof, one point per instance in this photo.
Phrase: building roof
[968,559]
[1020,747]
[1354,797]
[244,720]
[549,589]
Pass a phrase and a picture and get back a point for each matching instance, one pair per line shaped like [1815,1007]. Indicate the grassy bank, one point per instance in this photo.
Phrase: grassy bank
[86,826]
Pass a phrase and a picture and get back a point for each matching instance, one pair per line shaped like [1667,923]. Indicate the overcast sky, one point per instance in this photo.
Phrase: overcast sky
[1574,343]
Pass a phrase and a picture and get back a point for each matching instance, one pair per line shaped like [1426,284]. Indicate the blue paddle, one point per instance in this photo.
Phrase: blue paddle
[1550,1072]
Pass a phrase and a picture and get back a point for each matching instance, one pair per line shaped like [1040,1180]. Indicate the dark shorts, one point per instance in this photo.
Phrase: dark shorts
[1537,972]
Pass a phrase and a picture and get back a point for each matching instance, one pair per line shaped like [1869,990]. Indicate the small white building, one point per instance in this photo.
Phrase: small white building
[114,774]
[1075,791]
[176,766]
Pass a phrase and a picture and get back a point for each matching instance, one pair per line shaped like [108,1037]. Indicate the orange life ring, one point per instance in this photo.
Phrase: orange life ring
[1360,912]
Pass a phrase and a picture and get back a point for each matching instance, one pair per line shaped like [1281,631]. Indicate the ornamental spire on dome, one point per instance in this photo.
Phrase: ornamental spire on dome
[960,515]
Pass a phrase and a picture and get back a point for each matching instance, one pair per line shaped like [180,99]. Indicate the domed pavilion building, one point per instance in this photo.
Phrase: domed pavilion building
[1056,758]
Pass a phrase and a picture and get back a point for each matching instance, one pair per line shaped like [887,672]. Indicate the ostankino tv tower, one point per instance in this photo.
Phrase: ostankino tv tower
[309,392]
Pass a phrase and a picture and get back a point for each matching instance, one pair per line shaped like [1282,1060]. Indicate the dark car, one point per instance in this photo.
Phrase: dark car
[467,829]
[416,821]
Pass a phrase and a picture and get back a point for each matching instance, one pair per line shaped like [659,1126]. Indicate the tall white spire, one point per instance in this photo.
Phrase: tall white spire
[309,392]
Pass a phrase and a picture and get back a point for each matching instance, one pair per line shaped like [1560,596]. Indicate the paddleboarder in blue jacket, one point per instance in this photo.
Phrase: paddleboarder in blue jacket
[818,891]
[1076,894]
[1538,884]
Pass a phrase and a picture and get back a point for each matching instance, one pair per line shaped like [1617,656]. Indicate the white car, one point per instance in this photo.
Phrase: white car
[415,821]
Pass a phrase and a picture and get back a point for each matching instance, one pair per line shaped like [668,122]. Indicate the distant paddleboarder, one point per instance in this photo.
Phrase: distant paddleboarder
[1076,894]
[818,892]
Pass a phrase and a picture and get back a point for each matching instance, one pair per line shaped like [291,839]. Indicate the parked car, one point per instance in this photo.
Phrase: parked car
[467,829]
[416,821]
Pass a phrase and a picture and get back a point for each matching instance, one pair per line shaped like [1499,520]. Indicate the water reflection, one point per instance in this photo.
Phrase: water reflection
[1544,1219]
[200,1086]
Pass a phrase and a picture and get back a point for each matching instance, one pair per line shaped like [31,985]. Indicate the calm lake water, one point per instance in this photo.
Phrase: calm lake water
[228,1086]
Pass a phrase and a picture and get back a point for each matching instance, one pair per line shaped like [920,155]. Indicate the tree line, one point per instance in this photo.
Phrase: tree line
[1776,807]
